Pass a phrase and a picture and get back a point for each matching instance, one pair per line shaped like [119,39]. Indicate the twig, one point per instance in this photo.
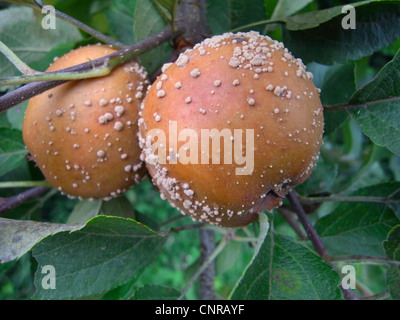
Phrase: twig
[244,239]
[28,91]
[288,216]
[24,184]
[315,239]
[311,232]
[100,71]
[188,227]
[20,198]
[207,277]
[167,222]
[205,264]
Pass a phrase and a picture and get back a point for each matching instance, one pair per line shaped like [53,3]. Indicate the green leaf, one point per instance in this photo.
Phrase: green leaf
[219,16]
[392,244]
[122,292]
[28,3]
[120,18]
[16,115]
[88,209]
[313,19]
[392,250]
[337,87]
[57,51]
[393,281]
[147,22]
[12,150]
[377,25]
[322,178]
[84,211]
[244,12]
[156,292]
[120,207]
[360,227]
[17,237]
[106,253]
[284,269]
[24,35]
[379,113]
[168,4]
[285,8]
[228,256]
[371,160]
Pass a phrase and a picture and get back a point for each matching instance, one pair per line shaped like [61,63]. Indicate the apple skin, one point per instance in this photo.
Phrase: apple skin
[83,134]
[242,81]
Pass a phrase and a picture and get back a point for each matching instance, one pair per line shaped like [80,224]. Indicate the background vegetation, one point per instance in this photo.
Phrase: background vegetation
[138,247]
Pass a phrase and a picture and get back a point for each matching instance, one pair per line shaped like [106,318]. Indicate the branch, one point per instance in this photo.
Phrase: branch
[100,71]
[315,239]
[311,232]
[207,277]
[24,184]
[205,264]
[288,216]
[28,91]
[188,227]
[167,222]
[18,199]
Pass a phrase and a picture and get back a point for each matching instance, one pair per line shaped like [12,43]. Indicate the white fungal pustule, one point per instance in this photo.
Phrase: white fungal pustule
[103,102]
[195,73]
[157,117]
[161,93]
[188,100]
[234,62]
[166,66]
[118,125]
[269,87]
[159,85]
[119,110]
[251,101]
[217,83]
[106,117]
[101,153]
[182,61]
[178,85]
[278,90]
